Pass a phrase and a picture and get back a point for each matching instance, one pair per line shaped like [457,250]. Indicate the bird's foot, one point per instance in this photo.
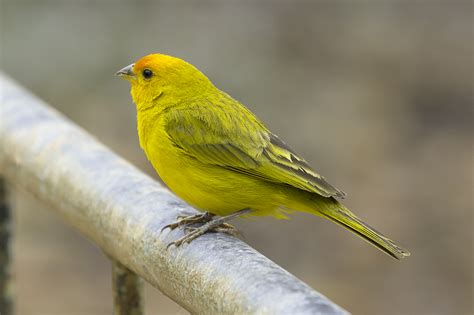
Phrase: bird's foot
[228,229]
[213,225]
[223,228]
[188,220]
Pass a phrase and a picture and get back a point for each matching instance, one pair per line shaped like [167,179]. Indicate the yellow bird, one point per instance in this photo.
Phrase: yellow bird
[219,157]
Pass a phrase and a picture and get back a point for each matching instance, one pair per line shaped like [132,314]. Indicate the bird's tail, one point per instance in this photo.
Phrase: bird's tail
[339,214]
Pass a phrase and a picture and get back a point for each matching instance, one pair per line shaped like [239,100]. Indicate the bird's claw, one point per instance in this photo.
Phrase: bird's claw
[211,224]
[188,219]
[195,232]
[170,226]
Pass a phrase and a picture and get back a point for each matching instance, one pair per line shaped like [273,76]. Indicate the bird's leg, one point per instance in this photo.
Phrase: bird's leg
[192,219]
[215,224]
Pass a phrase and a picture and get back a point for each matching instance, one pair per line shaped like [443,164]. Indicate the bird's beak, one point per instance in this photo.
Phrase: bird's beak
[126,72]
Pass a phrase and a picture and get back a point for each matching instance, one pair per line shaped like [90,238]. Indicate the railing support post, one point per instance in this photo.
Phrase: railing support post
[6,300]
[127,290]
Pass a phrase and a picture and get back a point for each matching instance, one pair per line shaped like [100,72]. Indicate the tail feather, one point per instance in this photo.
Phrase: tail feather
[347,219]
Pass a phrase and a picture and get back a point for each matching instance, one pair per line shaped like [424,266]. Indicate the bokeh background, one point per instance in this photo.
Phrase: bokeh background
[376,95]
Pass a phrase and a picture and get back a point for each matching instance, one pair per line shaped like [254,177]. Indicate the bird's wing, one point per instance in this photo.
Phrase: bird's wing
[228,135]
[288,167]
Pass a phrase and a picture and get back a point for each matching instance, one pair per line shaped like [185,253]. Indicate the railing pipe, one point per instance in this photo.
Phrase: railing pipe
[123,211]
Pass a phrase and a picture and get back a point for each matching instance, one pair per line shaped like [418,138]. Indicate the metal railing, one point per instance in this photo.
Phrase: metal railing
[122,210]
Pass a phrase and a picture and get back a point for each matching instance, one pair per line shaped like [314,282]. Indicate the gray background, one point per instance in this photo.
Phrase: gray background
[376,95]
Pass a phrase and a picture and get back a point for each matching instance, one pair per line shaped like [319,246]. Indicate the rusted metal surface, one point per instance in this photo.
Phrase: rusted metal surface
[6,298]
[127,289]
[122,210]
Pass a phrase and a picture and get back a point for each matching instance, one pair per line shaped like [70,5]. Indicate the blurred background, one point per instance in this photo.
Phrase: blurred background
[376,95]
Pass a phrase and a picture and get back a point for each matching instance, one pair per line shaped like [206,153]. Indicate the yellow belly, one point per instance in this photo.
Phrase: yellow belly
[212,188]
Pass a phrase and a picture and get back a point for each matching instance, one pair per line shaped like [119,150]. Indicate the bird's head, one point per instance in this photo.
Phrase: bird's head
[160,79]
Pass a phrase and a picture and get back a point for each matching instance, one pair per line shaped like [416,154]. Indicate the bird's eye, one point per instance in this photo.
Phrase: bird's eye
[147,73]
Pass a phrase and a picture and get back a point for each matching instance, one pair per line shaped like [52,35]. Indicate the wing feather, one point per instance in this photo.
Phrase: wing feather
[227,134]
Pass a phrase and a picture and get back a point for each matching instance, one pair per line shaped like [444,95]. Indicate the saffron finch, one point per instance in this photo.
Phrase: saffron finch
[219,157]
